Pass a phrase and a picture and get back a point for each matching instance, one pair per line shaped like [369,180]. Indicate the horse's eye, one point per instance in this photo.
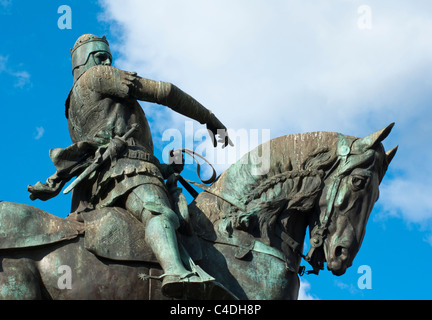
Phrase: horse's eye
[358,182]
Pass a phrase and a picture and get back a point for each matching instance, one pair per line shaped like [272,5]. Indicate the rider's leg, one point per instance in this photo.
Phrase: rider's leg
[151,205]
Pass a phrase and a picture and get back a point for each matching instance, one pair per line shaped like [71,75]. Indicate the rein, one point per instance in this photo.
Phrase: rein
[314,257]
[186,182]
[319,234]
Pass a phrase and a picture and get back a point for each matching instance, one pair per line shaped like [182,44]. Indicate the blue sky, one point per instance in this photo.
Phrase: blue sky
[279,66]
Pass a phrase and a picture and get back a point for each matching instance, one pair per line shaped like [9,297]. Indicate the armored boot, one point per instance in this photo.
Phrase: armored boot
[177,280]
[182,278]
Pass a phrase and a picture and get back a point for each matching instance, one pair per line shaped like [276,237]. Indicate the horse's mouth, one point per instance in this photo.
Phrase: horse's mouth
[337,268]
[338,261]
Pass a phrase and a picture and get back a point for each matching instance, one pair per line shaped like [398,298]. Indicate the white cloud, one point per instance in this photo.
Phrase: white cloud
[349,287]
[292,67]
[408,199]
[304,290]
[21,78]
[428,239]
[293,59]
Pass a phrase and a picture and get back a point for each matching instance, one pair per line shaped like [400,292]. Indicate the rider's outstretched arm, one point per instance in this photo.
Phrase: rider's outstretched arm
[169,95]
[108,80]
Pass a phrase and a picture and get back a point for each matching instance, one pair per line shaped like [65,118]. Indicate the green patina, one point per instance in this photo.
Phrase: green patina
[241,238]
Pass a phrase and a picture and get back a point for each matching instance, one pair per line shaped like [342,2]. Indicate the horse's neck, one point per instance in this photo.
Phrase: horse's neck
[295,225]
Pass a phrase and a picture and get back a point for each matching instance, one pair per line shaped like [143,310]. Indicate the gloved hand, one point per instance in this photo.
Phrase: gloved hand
[176,160]
[215,127]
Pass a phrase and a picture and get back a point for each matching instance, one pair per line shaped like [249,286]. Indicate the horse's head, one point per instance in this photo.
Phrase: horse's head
[349,193]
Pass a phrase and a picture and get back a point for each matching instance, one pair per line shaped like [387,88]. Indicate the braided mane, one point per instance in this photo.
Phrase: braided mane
[283,173]
[287,157]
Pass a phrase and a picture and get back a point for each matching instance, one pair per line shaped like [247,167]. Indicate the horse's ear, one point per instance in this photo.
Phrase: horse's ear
[391,153]
[373,139]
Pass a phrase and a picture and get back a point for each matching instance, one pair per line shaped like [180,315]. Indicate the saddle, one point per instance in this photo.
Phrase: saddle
[115,234]
[109,232]
[23,226]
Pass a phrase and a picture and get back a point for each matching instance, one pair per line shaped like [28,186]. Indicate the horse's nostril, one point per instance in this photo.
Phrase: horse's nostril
[338,251]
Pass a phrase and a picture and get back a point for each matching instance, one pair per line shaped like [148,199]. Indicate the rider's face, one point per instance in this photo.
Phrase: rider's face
[102,58]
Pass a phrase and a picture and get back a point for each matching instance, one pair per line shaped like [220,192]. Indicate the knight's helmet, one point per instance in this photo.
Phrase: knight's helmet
[83,50]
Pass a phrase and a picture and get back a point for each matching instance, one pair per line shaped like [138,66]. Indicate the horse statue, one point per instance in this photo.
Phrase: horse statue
[248,227]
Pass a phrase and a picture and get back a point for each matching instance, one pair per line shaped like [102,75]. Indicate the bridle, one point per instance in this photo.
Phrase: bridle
[315,257]
[341,167]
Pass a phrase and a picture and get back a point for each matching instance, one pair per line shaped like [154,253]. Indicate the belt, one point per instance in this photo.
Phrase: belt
[141,155]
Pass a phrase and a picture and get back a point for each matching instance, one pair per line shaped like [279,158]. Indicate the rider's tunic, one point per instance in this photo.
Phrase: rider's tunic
[101,106]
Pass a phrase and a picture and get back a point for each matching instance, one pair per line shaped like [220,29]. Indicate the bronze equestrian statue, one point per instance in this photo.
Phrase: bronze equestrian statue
[130,235]
[102,106]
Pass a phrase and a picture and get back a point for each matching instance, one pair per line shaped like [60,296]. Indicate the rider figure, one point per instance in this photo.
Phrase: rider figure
[101,107]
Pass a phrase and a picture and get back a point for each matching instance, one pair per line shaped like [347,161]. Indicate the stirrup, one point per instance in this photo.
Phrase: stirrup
[144,276]
[188,286]
[196,288]
[185,289]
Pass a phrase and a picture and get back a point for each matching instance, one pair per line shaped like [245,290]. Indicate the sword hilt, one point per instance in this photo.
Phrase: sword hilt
[95,165]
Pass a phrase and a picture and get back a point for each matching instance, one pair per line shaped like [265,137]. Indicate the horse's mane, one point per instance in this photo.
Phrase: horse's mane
[287,169]
[290,155]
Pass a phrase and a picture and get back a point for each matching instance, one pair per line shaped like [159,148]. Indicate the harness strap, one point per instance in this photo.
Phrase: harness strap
[193,154]
[314,256]
[255,245]
[226,197]
[294,245]
[186,183]
[318,235]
